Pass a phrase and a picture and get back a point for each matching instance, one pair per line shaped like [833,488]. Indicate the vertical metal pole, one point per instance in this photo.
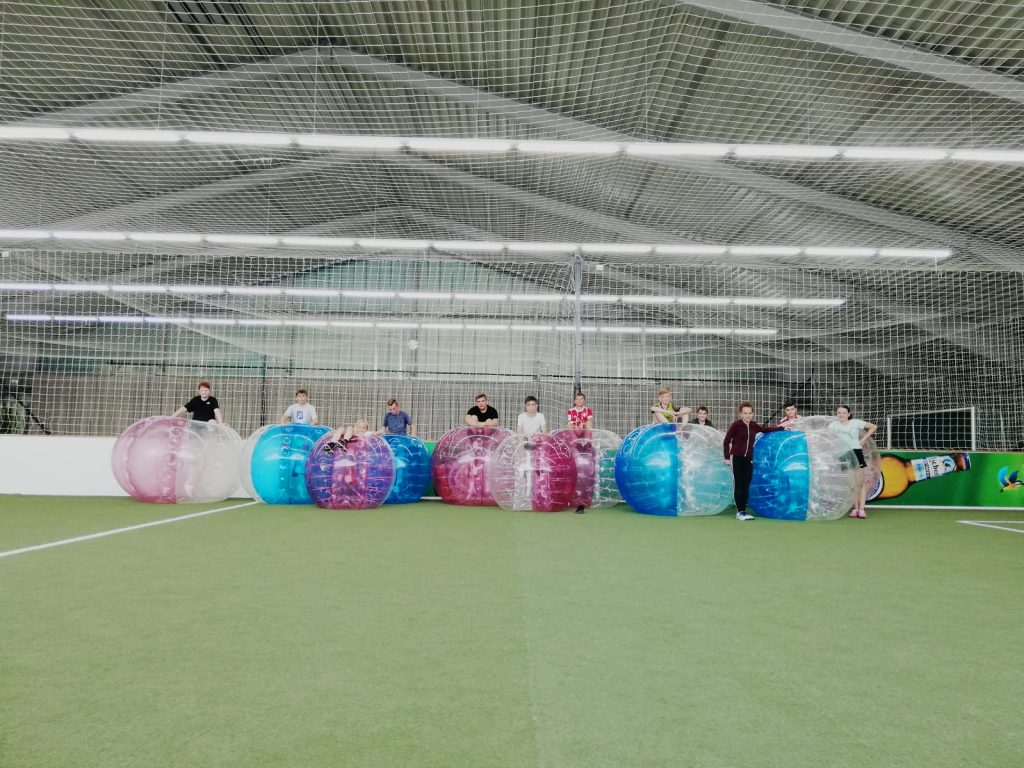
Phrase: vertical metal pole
[577,289]
[888,432]
[974,430]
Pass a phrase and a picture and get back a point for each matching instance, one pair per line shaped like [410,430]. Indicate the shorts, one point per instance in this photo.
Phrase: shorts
[859,453]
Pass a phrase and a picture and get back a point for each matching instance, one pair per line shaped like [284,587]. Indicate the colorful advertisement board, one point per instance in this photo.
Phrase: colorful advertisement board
[952,479]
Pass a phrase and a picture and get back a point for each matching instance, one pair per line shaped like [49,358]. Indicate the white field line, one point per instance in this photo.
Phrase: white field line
[115,531]
[992,524]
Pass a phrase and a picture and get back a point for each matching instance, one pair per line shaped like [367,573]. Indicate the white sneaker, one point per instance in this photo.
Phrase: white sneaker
[744,516]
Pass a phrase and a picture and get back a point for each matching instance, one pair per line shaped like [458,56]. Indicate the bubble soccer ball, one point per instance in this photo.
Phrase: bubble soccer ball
[594,452]
[872,474]
[274,462]
[705,482]
[670,470]
[412,469]
[359,477]
[802,475]
[537,473]
[165,460]
[461,465]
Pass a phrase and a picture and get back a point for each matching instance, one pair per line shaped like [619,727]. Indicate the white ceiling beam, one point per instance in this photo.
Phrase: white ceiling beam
[548,123]
[862,44]
[170,92]
[544,122]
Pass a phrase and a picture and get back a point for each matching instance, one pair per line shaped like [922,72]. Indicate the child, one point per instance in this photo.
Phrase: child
[301,411]
[532,421]
[702,417]
[580,415]
[739,452]
[791,417]
[850,439]
[397,421]
[665,412]
[203,407]
[342,435]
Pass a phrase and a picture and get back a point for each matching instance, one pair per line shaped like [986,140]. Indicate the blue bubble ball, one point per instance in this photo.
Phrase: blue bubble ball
[647,470]
[781,484]
[274,469]
[412,469]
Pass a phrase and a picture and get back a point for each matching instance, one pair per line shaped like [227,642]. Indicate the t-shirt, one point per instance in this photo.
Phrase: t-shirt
[672,410]
[579,417]
[202,410]
[786,420]
[707,423]
[397,423]
[301,414]
[849,433]
[483,416]
[531,424]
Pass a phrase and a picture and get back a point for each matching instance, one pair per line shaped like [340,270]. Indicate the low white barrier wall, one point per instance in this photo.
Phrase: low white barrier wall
[38,465]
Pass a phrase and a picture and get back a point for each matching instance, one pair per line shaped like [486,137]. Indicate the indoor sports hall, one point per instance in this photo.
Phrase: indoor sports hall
[604,383]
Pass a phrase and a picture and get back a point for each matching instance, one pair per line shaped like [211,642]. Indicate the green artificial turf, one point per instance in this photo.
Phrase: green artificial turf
[429,635]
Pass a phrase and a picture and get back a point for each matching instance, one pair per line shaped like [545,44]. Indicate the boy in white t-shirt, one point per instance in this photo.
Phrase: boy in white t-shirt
[301,411]
[531,422]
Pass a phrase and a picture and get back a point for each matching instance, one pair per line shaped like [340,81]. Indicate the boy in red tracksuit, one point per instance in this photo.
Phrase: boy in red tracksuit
[739,452]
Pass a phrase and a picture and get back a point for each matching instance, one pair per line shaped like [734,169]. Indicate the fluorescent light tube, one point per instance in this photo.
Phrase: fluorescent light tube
[81,287]
[242,239]
[569,147]
[253,290]
[667,149]
[468,245]
[33,133]
[239,138]
[763,250]
[77,234]
[320,242]
[24,234]
[25,286]
[915,253]
[431,144]
[368,294]
[313,292]
[332,141]
[120,135]
[893,153]
[626,249]
[139,288]
[165,237]
[796,151]
[196,289]
[424,295]
[481,296]
[755,302]
[393,243]
[690,250]
[648,300]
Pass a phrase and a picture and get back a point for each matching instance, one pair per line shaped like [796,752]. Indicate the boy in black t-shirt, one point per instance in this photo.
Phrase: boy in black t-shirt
[482,414]
[203,407]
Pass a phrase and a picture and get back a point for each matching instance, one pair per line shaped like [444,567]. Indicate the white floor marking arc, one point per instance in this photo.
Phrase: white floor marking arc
[992,524]
[126,529]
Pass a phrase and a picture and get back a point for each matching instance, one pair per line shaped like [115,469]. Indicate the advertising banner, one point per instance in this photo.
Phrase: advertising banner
[956,479]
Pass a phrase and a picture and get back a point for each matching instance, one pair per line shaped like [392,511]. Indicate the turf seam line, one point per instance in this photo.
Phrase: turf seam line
[988,524]
[126,529]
